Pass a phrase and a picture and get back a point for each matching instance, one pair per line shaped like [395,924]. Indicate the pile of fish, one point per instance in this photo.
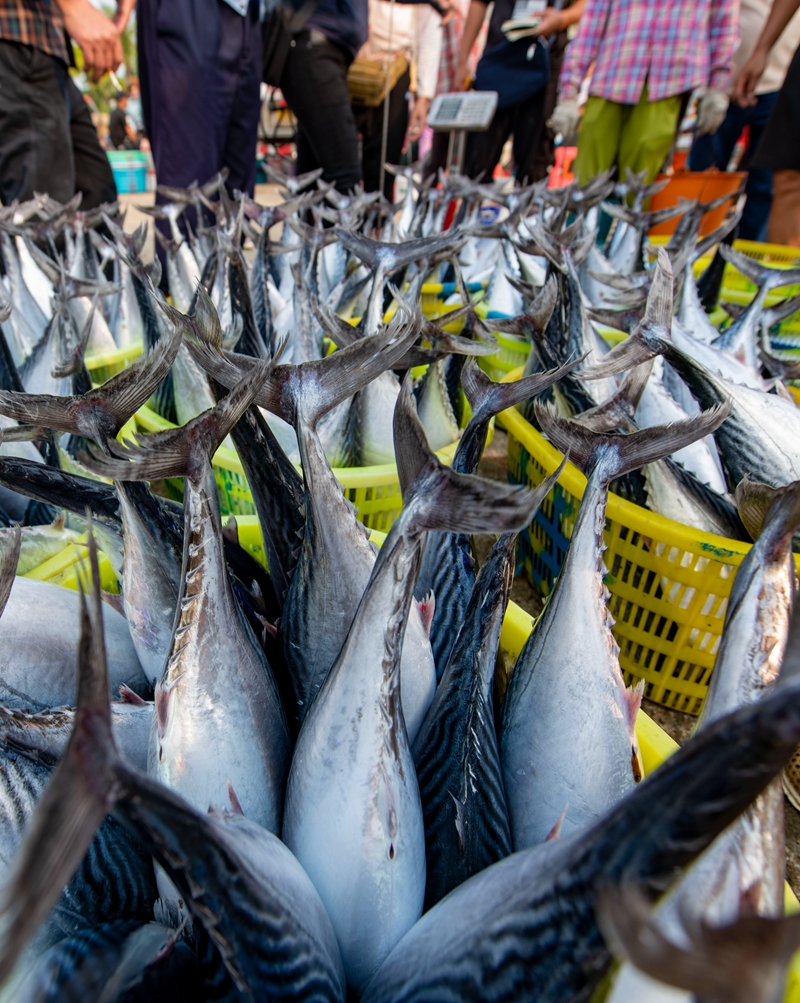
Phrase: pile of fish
[311,782]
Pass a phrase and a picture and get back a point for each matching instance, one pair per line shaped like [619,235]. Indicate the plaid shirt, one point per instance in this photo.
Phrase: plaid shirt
[34,22]
[674,45]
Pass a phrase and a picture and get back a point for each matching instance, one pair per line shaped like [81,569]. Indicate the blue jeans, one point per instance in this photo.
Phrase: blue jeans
[716,151]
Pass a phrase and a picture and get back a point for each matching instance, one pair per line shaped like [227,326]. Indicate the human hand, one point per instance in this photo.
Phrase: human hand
[712,111]
[752,71]
[97,36]
[418,119]
[565,120]
[462,75]
[551,23]
[447,10]
[122,16]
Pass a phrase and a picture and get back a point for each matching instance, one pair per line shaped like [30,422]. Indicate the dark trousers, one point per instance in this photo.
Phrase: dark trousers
[716,151]
[533,144]
[200,74]
[370,124]
[314,84]
[47,140]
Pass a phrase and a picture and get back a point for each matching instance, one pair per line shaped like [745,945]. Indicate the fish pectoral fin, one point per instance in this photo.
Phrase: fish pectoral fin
[555,832]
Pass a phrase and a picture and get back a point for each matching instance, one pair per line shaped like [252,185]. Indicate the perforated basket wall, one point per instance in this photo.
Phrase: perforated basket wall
[669,583]
[375,491]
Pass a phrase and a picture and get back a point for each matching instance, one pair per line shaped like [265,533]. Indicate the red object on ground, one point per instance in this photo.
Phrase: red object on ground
[702,185]
[450,214]
[560,173]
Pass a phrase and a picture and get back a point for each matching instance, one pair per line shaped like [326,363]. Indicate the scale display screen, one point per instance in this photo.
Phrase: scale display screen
[467,110]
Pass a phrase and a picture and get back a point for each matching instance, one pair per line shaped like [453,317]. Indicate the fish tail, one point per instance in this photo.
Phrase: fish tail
[118,399]
[762,275]
[452,502]
[77,799]
[620,454]
[762,507]
[739,962]
[184,451]
[618,411]
[487,398]
[651,337]
[308,391]
[8,566]
[63,490]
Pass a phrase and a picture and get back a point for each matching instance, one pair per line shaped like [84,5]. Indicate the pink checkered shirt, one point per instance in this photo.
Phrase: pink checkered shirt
[674,45]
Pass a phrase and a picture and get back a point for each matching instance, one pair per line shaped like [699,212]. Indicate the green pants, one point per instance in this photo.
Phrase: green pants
[638,136]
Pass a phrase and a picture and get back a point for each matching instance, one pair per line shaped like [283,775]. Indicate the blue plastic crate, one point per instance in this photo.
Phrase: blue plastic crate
[130,170]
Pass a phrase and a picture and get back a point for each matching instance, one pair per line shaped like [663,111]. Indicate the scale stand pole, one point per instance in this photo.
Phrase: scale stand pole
[385,130]
[460,146]
[449,162]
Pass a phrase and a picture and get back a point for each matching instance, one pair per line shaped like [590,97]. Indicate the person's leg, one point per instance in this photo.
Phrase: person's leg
[306,159]
[438,157]
[755,218]
[715,149]
[371,129]
[598,138]
[93,175]
[240,59]
[483,149]
[702,154]
[314,84]
[35,145]
[528,129]
[647,135]
[186,97]
[543,153]
[784,217]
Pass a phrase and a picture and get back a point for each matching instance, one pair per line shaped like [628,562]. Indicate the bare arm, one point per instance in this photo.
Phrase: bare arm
[553,21]
[475,16]
[779,16]
[97,35]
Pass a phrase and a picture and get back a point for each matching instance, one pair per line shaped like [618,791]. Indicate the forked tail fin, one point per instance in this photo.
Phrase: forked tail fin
[619,454]
[184,451]
[77,799]
[308,391]
[445,500]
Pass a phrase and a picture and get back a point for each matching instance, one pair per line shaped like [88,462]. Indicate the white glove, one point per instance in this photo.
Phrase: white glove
[713,109]
[565,120]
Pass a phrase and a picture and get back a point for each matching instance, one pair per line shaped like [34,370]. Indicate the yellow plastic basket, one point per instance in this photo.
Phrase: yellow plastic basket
[374,491]
[654,743]
[669,583]
[514,351]
[103,367]
[63,568]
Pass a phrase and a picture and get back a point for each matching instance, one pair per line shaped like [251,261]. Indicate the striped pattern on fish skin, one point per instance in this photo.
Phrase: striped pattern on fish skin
[253,898]
[151,574]
[567,694]
[448,570]
[761,435]
[277,491]
[456,752]
[163,400]
[115,878]
[525,928]
[117,962]
[250,341]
